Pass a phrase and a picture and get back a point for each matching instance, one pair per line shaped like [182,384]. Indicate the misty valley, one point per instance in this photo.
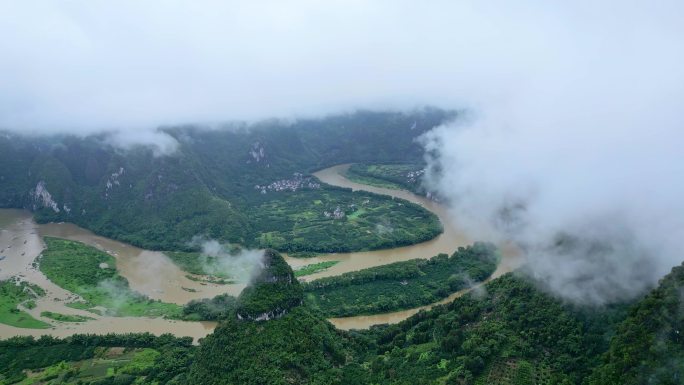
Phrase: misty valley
[297,192]
[307,252]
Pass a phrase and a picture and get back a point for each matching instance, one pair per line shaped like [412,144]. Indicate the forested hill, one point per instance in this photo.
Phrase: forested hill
[508,333]
[648,347]
[233,183]
[271,338]
[513,333]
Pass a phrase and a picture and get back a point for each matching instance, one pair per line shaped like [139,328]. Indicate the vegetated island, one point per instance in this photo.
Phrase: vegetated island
[402,285]
[91,274]
[13,293]
[398,176]
[314,268]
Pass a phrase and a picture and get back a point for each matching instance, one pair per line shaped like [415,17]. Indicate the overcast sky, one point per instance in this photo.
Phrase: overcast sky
[575,108]
[94,64]
[88,65]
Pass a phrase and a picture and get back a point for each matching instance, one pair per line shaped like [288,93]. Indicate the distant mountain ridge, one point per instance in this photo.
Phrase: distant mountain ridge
[207,186]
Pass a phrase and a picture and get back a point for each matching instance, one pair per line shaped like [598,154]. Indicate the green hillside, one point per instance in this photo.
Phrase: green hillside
[648,347]
[508,333]
[244,184]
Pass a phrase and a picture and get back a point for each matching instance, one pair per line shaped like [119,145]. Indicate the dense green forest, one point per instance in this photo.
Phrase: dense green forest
[509,333]
[95,360]
[274,292]
[402,285]
[273,338]
[516,334]
[648,347]
[213,309]
[233,184]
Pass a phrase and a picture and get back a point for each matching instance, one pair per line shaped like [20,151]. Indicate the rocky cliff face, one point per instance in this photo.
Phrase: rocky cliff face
[272,294]
[41,197]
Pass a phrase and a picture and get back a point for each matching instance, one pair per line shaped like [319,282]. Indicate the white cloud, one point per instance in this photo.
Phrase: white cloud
[587,145]
[575,107]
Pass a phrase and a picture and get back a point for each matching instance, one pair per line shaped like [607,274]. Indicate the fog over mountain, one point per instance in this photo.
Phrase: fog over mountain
[571,136]
[580,160]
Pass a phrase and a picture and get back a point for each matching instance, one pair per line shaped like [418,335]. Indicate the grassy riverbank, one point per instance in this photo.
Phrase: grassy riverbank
[92,274]
[12,294]
[401,176]
[314,268]
[65,317]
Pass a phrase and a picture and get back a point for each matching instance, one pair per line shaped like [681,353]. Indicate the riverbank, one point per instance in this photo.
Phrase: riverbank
[452,237]
[156,276]
[21,243]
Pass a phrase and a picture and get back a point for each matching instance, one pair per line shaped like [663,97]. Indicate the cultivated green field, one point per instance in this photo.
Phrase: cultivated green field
[92,360]
[341,222]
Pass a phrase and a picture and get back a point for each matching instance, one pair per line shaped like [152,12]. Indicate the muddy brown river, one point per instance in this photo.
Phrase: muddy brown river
[21,243]
[447,242]
[155,275]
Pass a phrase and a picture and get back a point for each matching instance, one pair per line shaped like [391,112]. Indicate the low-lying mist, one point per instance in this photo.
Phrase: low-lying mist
[224,260]
[582,167]
[571,146]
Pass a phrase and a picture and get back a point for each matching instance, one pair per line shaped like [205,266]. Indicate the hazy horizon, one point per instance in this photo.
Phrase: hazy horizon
[573,121]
